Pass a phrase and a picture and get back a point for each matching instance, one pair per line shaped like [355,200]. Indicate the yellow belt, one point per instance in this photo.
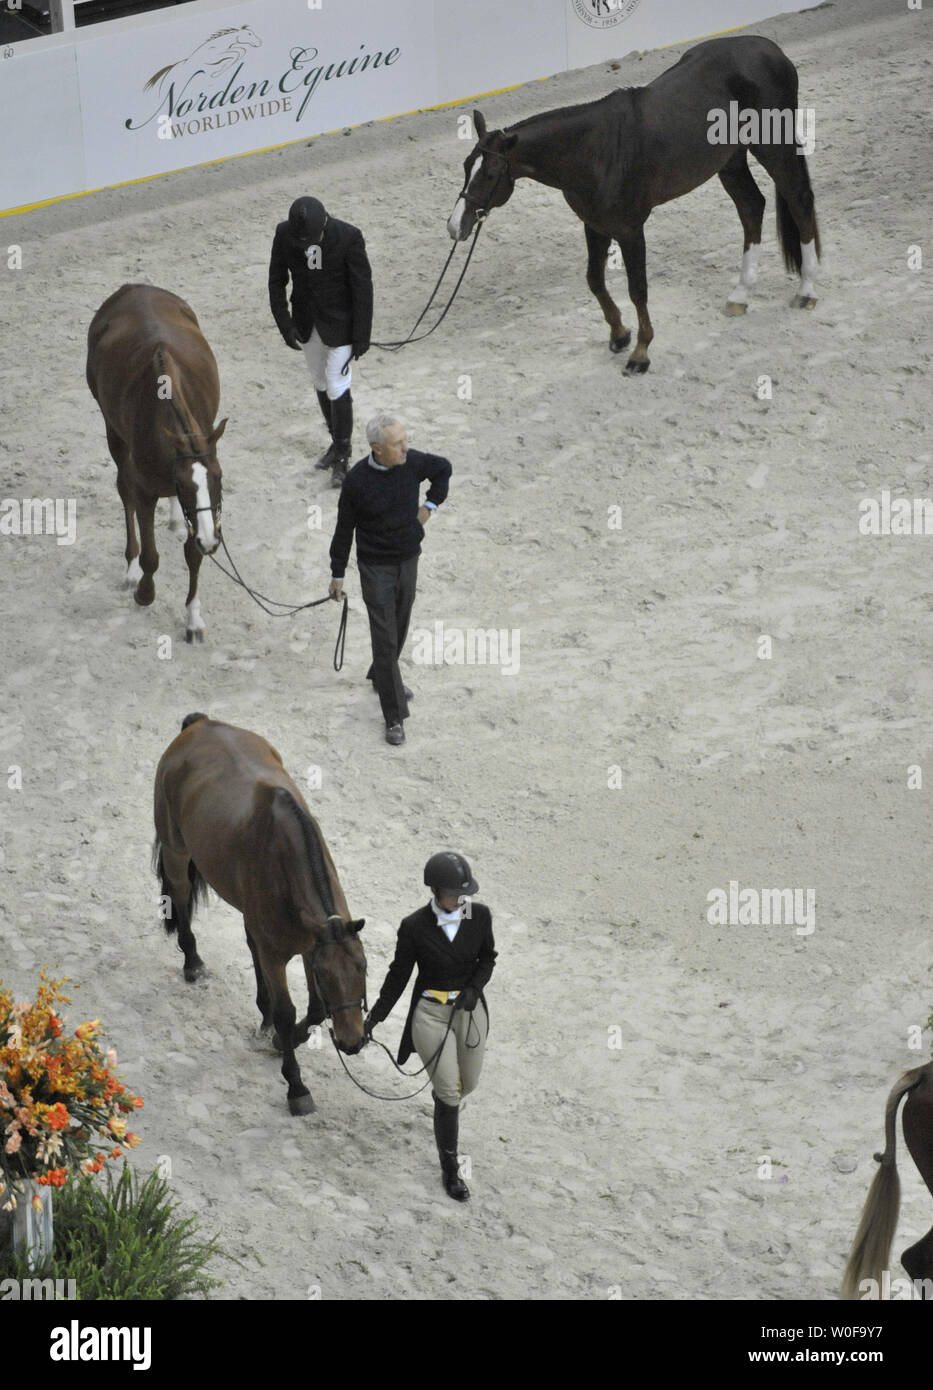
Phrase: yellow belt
[443,996]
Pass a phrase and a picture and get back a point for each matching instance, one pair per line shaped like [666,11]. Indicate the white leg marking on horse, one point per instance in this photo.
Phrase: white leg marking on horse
[456,217]
[134,571]
[193,621]
[176,517]
[808,265]
[748,275]
[205,518]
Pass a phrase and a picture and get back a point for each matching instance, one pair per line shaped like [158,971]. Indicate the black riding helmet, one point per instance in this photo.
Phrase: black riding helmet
[449,873]
[306,220]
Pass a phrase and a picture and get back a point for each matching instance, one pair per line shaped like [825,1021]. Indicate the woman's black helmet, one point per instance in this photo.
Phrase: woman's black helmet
[449,873]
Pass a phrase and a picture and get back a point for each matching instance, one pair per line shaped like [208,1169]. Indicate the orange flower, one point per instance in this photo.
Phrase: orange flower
[58,1177]
[138,1102]
[57,1118]
[131,1139]
[86,1031]
[55,1028]
[117,1127]
[116,1153]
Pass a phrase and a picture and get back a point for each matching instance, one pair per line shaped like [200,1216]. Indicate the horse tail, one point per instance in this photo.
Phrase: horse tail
[313,847]
[787,229]
[197,887]
[872,1245]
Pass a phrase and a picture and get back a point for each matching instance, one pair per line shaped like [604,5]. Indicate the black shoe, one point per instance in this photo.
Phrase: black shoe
[340,463]
[446,1123]
[327,459]
[395,734]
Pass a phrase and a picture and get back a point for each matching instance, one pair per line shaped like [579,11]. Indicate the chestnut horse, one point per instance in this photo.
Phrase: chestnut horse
[872,1245]
[228,815]
[154,377]
[617,158]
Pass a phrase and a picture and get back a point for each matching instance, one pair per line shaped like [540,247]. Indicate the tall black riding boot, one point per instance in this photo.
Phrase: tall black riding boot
[341,414]
[446,1123]
[326,460]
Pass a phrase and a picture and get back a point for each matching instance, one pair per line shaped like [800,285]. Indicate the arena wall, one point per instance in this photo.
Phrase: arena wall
[129,99]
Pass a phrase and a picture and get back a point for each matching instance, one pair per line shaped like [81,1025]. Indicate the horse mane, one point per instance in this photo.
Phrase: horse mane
[178,406]
[622,125]
[578,108]
[312,839]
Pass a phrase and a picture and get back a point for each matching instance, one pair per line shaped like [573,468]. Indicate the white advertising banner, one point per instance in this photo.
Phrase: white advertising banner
[271,71]
[598,30]
[43,144]
[182,86]
[486,45]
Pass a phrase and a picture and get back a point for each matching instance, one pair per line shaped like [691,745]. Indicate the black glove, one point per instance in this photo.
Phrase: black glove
[468,999]
[360,349]
[290,334]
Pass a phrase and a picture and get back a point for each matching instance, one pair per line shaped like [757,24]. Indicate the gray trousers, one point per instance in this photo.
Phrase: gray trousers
[389,593]
[456,1072]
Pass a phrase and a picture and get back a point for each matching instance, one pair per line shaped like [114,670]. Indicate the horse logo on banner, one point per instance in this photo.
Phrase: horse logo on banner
[215,58]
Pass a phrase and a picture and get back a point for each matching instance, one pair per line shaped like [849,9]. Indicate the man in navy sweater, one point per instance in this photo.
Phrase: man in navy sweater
[380,502]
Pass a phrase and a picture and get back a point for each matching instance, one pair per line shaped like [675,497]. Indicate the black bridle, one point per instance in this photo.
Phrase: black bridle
[481,206]
[194,456]
[337,936]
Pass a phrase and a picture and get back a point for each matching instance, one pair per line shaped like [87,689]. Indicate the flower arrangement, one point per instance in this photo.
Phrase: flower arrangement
[61,1105]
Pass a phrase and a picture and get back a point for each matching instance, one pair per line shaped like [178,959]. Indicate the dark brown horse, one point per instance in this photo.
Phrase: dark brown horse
[155,379]
[617,158]
[228,815]
[872,1245]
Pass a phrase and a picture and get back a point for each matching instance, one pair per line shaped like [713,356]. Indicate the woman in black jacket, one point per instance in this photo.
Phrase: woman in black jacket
[451,943]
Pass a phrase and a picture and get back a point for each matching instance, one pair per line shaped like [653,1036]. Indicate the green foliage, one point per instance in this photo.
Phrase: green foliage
[123,1242]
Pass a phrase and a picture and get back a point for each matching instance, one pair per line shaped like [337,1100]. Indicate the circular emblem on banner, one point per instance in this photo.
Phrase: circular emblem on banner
[603,14]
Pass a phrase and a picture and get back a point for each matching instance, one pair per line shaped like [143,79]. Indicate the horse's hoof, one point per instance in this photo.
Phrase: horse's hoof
[194,634]
[301,1105]
[620,344]
[803,301]
[143,598]
[734,309]
[195,972]
[633,368]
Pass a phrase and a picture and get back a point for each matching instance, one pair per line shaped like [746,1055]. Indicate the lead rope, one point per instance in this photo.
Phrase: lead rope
[291,608]
[429,1063]
[396,343]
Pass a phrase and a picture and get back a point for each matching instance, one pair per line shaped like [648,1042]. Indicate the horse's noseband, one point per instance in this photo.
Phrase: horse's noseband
[337,936]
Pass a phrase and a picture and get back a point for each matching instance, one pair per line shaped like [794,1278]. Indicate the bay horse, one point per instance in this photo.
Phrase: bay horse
[872,1245]
[154,377]
[228,815]
[617,158]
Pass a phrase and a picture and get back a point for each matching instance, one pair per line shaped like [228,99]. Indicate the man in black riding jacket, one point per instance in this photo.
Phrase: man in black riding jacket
[331,311]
